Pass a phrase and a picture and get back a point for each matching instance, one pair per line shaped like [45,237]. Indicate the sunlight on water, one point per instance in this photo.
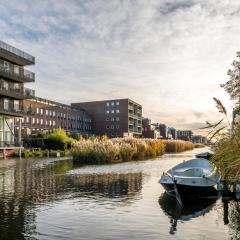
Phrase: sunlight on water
[62,200]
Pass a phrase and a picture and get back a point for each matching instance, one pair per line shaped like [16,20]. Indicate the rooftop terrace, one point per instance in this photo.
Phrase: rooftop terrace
[15,55]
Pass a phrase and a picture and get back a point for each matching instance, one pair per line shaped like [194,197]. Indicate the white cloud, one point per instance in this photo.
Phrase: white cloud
[171,56]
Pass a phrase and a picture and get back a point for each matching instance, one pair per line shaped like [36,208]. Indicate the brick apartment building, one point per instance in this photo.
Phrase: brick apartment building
[49,115]
[115,118]
[13,77]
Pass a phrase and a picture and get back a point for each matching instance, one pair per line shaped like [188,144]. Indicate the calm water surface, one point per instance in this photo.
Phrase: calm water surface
[46,199]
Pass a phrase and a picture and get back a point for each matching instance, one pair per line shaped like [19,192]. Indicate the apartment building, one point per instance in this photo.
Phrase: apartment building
[149,130]
[13,77]
[49,115]
[114,118]
[185,135]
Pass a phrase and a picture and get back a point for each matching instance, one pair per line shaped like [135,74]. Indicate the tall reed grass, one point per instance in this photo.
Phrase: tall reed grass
[104,150]
[227,156]
[175,146]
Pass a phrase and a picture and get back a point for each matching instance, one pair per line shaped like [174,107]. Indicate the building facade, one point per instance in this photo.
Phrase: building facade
[149,130]
[13,77]
[114,118]
[49,115]
[185,135]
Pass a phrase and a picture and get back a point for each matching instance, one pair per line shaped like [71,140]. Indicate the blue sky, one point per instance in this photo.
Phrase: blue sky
[170,56]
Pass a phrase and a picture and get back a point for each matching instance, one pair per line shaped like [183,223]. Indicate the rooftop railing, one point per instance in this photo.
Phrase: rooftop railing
[16,51]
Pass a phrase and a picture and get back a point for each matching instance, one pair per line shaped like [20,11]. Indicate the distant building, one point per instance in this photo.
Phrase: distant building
[149,130]
[199,139]
[163,130]
[114,118]
[184,135]
[172,133]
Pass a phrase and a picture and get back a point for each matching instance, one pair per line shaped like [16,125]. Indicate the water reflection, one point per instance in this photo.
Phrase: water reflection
[26,184]
[231,217]
[189,211]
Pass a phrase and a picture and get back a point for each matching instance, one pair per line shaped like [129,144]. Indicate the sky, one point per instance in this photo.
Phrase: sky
[170,56]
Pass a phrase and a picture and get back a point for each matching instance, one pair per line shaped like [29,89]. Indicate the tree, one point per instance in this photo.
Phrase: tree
[232,86]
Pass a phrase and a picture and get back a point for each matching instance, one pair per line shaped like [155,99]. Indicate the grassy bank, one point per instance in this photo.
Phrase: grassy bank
[103,150]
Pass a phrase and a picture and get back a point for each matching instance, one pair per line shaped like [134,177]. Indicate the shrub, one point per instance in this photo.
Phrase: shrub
[58,140]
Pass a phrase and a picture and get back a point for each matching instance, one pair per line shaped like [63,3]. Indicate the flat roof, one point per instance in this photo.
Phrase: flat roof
[108,100]
[15,54]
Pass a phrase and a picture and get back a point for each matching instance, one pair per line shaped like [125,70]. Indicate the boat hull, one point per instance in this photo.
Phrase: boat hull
[190,192]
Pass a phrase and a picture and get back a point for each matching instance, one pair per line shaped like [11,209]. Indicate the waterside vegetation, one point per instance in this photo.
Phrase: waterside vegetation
[104,150]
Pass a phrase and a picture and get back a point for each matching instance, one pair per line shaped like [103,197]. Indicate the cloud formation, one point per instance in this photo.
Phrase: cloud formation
[170,56]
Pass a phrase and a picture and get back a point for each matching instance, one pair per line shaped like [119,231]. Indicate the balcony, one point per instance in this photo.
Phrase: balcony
[16,110]
[24,93]
[26,76]
[15,55]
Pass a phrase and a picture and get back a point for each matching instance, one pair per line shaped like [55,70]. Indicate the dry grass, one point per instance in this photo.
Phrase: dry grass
[175,146]
[104,150]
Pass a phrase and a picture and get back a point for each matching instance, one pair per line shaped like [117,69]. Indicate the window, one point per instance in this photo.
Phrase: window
[117,119]
[112,103]
[112,119]
[107,111]
[117,103]
[112,126]
[54,123]
[47,112]
[37,120]
[112,111]
[107,127]
[33,120]
[107,119]
[54,113]
[117,111]
[41,121]
[37,110]
[117,126]
[107,104]
[41,111]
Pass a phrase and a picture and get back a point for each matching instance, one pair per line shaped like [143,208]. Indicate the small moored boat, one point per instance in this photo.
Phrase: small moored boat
[191,179]
[206,155]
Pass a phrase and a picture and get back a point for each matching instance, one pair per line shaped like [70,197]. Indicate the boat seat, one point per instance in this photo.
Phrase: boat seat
[189,172]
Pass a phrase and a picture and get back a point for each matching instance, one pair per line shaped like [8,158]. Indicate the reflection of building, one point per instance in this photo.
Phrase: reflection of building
[184,135]
[13,76]
[49,115]
[114,118]
[149,130]
[25,184]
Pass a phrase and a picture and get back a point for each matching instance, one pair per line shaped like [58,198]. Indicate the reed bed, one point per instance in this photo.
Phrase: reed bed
[104,150]
[227,156]
[176,146]
[199,145]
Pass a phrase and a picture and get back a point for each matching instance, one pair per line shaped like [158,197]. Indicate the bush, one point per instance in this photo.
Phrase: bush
[58,140]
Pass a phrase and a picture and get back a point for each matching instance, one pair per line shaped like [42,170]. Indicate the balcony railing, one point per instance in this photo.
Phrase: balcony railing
[25,93]
[16,51]
[27,75]
[15,109]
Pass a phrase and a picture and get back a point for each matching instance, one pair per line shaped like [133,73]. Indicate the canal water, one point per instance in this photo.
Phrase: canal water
[52,200]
